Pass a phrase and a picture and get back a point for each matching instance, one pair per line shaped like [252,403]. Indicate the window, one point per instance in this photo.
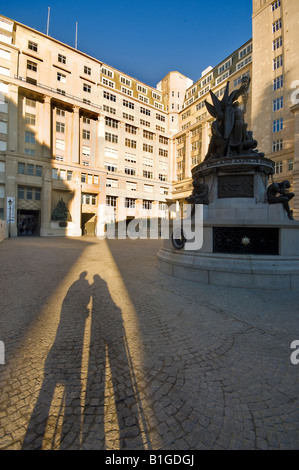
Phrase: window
[83,177]
[60,127]
[61,92]
[111,167]
[277,145]
[61,59]
[130,171]
[131,129]
[278,103]
[69,175]
[54,173]
[275,5]
[225,65]
[37,194]
[30,169]
[109,96]
[30,119]
[131,186]
[148,188]
[30,103]
[86,134]
[110,110]
[148,135]
[60,144]
[277,43]
[107,82]
[29,193]
[111,183]
[95,179]
[29,152]
[29,137]
[160,117]
[60,112]
[143,98]
[277,167]
[107,72]
[163,140]
[62,175]
[277,62]
[87,70]
[148,148]
[278,125]
[130,203]
[142,89]
[86,120]
[128,104]
[61,77]
[90,199]
[21,168]
[111,137]
[147,205]
[85,150]
[125,81]
[290,164]
[278,83]
[163,153]
[33,46]
[245,51]
[111,122]
[276,25]
[130,143]
[145,111]
[111,201]
[86,87]
[31,66]
[126,91]
[147,174]
[38,170]
[21,192]
[163,206]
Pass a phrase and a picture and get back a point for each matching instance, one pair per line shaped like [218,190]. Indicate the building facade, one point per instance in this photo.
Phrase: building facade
[82,139]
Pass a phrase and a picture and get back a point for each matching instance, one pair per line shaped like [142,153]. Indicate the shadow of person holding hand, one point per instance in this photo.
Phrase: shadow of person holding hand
[109,360]
[63,367]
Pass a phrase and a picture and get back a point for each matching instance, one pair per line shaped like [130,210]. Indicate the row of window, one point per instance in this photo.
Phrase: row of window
[278,166]
[132,186]
[130,203]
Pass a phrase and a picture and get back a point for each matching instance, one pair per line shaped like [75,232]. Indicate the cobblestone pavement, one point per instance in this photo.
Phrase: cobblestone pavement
[102,351]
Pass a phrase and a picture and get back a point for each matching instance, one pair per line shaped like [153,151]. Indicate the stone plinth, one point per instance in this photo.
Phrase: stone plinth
[246,241]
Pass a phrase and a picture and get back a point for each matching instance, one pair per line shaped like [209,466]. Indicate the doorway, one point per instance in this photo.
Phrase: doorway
[28,223]
[88,224]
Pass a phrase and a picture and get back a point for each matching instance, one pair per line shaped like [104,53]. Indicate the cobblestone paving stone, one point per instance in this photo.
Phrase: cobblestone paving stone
[103,351]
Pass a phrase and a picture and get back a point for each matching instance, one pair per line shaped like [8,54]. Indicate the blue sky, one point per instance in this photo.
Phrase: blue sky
[145,39]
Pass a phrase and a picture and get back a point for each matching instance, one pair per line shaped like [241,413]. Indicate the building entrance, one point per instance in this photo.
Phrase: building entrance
[88,224]
[28,223]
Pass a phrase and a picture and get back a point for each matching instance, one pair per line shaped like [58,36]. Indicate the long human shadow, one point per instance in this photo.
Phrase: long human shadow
[110,362]
[63,367]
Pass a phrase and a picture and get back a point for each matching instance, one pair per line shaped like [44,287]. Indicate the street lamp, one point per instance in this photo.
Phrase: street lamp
[9,203]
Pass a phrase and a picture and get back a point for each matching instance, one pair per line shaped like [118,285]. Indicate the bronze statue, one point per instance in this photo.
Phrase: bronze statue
[278,193]
[229,131]
[200,195]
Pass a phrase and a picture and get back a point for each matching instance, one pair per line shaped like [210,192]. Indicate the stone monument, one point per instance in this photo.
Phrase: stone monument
[249,236]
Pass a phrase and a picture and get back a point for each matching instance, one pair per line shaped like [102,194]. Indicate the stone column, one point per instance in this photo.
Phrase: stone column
[100,153]
[295,110]
[46,203]
[12,137]
[188,156]
[75,137]
[47,128]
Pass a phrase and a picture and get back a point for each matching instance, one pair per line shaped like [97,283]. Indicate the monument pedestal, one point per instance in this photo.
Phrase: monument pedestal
[246,241]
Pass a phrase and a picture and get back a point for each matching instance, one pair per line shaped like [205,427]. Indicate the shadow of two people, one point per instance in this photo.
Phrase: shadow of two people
[80,423]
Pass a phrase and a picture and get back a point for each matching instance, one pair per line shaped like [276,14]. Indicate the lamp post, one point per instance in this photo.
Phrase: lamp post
[9,203]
